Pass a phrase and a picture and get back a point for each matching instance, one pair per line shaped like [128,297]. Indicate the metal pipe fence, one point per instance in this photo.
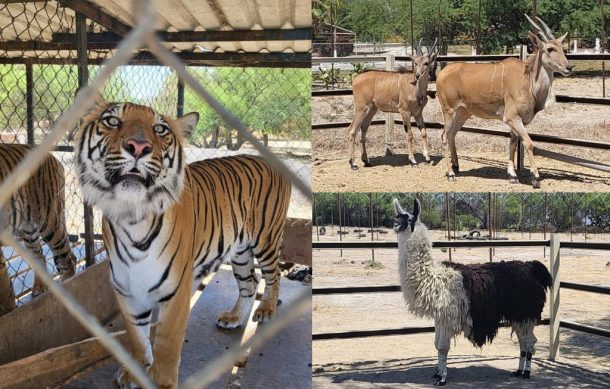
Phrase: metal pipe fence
[554,321]
[48,98]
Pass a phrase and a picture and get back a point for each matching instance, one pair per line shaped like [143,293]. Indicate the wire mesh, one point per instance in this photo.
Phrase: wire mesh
[285,132]
[274,103]
[463,212]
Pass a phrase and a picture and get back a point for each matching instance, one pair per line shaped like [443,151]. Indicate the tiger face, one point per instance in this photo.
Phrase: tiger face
[130,160]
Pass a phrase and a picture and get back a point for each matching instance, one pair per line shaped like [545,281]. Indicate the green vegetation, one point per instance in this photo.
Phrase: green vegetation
[274,103]
[511,211]
[502,23]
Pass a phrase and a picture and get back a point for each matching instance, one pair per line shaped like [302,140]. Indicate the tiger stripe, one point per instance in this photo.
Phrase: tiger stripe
[36,211]
[167,224]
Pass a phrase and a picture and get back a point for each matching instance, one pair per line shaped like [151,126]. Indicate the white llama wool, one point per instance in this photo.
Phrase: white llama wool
[437,290]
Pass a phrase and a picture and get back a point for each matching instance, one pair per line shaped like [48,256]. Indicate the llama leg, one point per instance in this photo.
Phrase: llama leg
[442,342]
[521,338]
[530,349]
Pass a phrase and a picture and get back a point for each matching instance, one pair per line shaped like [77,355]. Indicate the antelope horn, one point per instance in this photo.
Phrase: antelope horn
[538,29]
[418,49]
[546,28]
[434,45]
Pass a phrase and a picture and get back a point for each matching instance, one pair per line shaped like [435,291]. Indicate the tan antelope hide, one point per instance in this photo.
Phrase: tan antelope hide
[399,91]
[511,90]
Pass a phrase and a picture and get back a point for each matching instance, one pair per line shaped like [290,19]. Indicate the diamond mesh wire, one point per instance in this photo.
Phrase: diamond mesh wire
[274,103]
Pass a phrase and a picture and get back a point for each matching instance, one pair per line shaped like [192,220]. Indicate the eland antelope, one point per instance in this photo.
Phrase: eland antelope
[399,91]
[511,90]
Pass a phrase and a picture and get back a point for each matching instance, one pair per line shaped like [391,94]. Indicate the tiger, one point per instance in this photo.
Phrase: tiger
[36,210]
[166,224]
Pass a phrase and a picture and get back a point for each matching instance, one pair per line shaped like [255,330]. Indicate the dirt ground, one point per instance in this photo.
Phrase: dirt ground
[483,159]
[409,360]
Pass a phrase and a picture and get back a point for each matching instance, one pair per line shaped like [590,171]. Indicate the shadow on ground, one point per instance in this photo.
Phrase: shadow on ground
[465,371]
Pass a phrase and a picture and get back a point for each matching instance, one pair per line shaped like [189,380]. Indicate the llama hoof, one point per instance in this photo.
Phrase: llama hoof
[441,381]
[354,167]
[436,375]
[413,163]
[517,373]
[526,374]
[451,177]
[536,183]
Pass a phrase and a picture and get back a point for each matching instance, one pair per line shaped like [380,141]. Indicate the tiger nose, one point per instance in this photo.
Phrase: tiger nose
[137,149]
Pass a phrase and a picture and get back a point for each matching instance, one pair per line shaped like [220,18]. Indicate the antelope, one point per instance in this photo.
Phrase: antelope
[511,90]
[399,91]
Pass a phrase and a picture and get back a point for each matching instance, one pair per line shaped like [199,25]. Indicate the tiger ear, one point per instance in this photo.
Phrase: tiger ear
[188,123]
[92,114]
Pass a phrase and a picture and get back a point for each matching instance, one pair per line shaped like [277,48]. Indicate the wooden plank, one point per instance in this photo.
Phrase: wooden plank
[296,246]
[203,341]
[285,360]
[53,365]
[44,323]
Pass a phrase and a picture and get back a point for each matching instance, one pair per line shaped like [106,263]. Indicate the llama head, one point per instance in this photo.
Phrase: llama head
[404,222]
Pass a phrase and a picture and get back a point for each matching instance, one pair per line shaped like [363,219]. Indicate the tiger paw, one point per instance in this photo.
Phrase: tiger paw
[228,320]
[123,379]
[38,289]
[264,312]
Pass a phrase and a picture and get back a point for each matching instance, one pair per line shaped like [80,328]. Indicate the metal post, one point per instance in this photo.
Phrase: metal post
[29,100]
[554,322]
[448,221]
[180,105]
[489,221]
[371,223]
[83,80]
[544,224]
[478,43]
[411,26]
[389,117]
[315,217]
[534,9]
[340,226]
[603,36]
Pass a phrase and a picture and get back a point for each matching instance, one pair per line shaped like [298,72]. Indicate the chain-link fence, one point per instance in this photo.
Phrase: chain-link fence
[466,215]
[258,110]
[37,86]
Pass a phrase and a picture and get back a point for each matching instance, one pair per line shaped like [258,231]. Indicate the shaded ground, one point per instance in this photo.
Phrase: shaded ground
[483,159]
[408,360]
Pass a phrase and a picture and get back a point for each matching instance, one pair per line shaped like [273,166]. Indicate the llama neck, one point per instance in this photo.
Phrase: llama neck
[414,254]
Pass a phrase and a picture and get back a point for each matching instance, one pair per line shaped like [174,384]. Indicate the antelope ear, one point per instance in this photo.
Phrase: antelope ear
[188,123]
[416,208]
[561,38]
[535,40]
[397,208]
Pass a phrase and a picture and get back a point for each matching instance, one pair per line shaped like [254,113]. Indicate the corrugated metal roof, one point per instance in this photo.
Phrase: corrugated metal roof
[38,21]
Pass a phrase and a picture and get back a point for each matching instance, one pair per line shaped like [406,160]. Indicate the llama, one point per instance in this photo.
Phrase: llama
[473,299]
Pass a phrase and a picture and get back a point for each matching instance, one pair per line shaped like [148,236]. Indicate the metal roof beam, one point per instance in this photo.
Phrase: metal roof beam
[98,15]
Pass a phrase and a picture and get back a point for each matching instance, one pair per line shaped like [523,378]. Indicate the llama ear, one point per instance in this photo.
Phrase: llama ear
[416,208]
[397,208]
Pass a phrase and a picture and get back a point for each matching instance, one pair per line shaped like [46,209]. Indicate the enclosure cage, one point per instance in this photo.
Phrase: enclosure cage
[253,60]
[42,67]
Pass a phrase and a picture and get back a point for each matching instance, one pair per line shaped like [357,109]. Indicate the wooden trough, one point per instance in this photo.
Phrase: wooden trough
[41,345]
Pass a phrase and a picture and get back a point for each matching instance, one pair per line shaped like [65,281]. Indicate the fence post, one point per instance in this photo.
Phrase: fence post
[180,104]
[29,100]
[389,116]
[83,80]
[554,301]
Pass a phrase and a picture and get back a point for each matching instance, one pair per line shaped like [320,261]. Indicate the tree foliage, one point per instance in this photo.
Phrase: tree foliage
[502,24]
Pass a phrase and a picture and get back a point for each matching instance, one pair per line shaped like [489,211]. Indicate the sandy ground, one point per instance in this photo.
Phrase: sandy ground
[483,159]
[409,360]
